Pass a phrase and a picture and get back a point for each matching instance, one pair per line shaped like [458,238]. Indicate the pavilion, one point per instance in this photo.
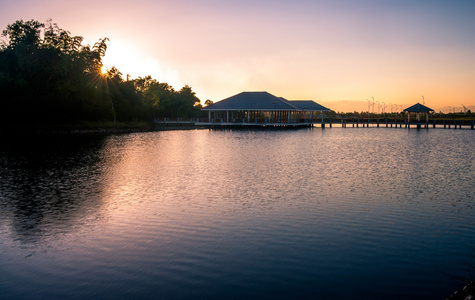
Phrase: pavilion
[418,109]
[262,108]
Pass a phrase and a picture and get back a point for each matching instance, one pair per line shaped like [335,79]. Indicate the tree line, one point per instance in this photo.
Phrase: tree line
[47,76]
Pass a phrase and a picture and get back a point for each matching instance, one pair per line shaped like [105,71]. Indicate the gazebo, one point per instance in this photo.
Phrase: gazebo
[261,107]
[418,109]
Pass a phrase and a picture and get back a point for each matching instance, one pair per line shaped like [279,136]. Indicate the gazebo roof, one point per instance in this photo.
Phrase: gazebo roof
[418,108]
[262,101]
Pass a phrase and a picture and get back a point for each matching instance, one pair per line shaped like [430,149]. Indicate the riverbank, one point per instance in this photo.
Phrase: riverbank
[88,128]
[95,128]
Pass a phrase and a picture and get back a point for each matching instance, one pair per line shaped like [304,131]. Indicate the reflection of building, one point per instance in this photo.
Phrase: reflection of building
[263,108]
[418,109]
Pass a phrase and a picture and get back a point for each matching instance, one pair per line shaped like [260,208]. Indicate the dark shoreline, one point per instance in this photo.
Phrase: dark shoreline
[90,130]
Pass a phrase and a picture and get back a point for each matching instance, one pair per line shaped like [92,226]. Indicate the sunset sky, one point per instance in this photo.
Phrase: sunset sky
[337,53]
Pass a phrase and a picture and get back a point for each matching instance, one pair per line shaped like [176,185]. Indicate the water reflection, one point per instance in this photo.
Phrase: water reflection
[220,214]
[50,185]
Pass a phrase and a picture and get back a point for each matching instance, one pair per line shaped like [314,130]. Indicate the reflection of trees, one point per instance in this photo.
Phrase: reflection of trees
[49,185]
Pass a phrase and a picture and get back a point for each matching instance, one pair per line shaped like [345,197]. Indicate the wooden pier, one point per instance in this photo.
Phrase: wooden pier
[320,122]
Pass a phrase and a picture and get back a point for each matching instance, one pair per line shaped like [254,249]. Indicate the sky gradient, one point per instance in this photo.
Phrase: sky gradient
[337,53]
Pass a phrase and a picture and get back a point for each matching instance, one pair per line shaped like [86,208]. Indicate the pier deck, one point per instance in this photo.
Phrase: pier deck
[326,122]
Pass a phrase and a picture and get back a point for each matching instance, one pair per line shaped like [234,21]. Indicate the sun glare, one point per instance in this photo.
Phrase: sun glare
[132,63]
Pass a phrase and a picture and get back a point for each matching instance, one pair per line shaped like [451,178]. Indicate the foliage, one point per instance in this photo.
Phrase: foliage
[48,77]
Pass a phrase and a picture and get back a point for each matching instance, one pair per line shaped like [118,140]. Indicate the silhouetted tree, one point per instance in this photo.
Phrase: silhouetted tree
[48,76]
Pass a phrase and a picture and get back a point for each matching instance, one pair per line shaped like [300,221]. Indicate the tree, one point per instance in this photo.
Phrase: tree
[186,102]
[23,33]
[48,77]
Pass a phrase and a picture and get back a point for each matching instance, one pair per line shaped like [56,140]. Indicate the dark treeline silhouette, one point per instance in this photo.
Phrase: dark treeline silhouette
[48,77]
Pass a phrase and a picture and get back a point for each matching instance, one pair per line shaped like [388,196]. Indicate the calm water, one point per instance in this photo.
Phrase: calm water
[356,213]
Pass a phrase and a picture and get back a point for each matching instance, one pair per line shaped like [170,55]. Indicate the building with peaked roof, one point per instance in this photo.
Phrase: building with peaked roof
[418,109]
[258,101]
[262,107]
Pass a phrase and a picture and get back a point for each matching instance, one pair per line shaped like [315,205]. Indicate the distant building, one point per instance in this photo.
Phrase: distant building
[262,107]
[418,109]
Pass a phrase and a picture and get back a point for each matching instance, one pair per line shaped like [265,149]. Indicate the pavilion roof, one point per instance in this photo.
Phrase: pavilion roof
[309,105]
[418,108]
[262,101]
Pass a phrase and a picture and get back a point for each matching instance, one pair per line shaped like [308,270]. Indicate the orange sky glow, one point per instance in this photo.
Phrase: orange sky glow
[338,53]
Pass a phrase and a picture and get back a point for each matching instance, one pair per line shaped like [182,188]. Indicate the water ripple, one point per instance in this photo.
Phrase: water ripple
[386,213]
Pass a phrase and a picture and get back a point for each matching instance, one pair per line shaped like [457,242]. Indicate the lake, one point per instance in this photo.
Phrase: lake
[355,213]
